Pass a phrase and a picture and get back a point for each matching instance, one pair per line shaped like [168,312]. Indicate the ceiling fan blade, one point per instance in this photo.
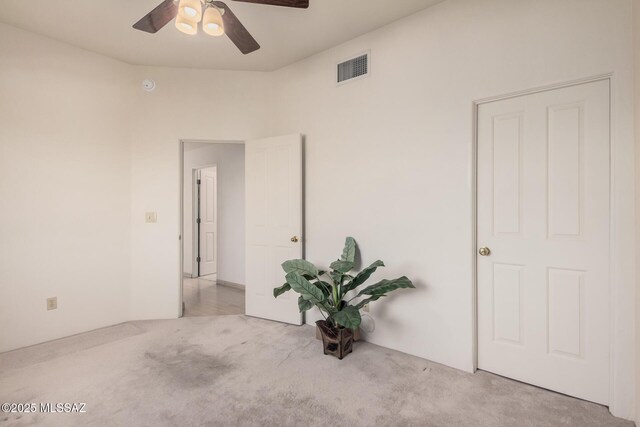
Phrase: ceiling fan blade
[158,17]
[303,4]
[236,31]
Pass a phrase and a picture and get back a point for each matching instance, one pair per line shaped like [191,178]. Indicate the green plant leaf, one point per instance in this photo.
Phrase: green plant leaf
[368,300]
[335,276]
[386,286]
[306,289]
[327,308]
[342,266]
[349,317]
[349,251]
[304,305]
[324,287]
[363,276]
[301,266]
[281,290]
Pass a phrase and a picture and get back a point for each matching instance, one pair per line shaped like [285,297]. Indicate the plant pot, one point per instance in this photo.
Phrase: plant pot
[357,334]
[337,342]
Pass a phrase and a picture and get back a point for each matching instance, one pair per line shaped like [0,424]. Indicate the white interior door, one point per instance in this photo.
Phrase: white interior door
[543,211]
[273,224]
[208,216]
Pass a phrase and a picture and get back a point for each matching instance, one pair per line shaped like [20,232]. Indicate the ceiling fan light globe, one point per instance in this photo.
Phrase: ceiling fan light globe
[186,26]
[213,30]
[212,22]
[190,10]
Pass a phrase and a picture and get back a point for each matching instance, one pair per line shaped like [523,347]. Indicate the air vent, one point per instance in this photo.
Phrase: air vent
[353,68]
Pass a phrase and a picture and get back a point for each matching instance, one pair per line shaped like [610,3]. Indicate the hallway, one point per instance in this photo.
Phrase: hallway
[203,297]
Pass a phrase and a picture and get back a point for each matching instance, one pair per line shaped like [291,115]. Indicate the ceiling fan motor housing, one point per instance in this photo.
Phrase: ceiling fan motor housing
[210,4]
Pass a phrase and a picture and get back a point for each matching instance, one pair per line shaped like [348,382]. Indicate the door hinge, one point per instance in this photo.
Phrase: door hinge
[199,182]
[198,221]
[198,259]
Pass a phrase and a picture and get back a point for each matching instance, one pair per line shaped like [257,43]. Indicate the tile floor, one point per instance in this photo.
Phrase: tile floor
[204,297]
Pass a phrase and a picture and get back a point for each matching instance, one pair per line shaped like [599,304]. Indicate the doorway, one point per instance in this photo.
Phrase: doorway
[213,228]
[269,181]
[205,221]
[543,237]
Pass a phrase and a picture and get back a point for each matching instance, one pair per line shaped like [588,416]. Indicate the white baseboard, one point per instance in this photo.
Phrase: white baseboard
[230,284]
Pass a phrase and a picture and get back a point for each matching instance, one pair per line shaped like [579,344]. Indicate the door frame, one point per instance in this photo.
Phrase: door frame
[616,346]
[195,239]
[181,143]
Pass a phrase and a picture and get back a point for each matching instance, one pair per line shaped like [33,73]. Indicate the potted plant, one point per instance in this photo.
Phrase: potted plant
[335,293]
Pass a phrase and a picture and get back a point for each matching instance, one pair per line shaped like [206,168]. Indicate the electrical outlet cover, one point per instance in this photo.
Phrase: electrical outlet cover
[151,217]
[52,303]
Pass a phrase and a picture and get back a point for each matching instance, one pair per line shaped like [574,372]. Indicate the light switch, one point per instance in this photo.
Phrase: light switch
[151,217]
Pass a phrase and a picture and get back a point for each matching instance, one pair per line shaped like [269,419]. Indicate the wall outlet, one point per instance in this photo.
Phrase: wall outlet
[52,303]
[150,217]
[366,308]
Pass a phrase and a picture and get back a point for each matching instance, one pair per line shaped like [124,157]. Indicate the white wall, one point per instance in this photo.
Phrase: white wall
[64,186]
[187,105]
[395,150]
[636,50]
[229,159]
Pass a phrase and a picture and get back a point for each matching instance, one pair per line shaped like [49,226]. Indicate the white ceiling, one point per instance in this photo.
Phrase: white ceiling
[286,35]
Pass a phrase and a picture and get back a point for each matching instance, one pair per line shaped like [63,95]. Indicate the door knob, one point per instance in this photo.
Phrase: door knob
[484,251]
[295,239]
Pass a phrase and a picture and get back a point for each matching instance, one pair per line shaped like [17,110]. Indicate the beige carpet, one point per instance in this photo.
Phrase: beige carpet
[238,371]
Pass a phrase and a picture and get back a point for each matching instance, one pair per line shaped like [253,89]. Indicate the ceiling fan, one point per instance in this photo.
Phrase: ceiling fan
[217,19]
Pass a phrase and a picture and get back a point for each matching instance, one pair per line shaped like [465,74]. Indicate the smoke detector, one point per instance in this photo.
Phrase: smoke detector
[148,85]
